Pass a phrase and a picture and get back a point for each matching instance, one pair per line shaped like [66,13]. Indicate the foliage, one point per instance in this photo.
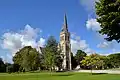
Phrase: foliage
[52,56]
[2,66]
[114,60]
[73,61]
[59,60]
[102,62]
[49,58]
[10,68]
[80,56]
[94,61]
[108,12]
[27,58]
[53,44]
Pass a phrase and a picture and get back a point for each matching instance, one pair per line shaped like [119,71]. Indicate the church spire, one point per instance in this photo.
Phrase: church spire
[65,20]
[65,27]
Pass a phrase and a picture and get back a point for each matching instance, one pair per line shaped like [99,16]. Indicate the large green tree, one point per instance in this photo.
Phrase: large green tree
[80,56]
[28,58]
[108,12]
[52,56]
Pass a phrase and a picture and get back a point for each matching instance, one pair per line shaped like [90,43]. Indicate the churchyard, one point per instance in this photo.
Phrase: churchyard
[56,60]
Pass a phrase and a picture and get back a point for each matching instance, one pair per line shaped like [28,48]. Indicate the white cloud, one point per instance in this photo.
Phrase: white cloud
[93,24]
[89,51]
[78,44]
[105,45]
[41,42]
[13,41]
[113,46]
[7,58]
[88,4]
[3,58]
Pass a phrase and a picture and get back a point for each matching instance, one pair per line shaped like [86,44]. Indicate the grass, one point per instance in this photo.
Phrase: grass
[115,69]
[58,76]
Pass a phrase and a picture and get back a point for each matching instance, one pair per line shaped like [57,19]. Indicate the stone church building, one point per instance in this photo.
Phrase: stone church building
[65,45]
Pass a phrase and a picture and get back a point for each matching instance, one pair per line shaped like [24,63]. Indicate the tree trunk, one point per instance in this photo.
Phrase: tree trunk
[51,71]
[91,70]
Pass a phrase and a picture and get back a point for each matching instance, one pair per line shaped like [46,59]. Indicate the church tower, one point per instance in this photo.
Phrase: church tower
[65,45]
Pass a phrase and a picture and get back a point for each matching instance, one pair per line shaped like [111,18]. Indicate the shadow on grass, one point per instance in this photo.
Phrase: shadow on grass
[98,73]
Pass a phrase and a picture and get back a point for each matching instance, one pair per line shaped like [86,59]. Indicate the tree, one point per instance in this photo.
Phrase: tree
[107,62]
[108,12]
[52,56]
[49,58]
[53,44]
[59,60]
[12,67]
[28,58]
[2,66]
[9,68]
[73,61]
[80,56]
[93,61]
[114,60]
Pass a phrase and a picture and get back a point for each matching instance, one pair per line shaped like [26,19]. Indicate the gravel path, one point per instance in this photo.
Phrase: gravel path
[100,71]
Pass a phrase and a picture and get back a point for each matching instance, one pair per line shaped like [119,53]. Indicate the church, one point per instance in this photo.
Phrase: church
[65,46]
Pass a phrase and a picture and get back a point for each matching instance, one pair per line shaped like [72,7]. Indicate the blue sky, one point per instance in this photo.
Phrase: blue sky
[31,22]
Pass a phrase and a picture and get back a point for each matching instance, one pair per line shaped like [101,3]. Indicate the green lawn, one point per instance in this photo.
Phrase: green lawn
[58,76]
[115,69]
